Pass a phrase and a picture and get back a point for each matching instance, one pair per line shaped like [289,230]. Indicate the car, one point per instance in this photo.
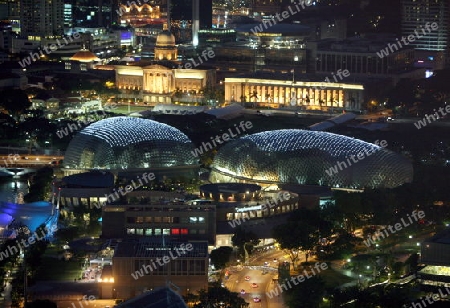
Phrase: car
[242,291]
[256,299]
[247,278]
[275,260]
[254,285]
[266,264]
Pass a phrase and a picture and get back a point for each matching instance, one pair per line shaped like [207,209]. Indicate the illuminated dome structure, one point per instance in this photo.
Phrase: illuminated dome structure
[294,156]
[125,143]
[165,48]
[84,55]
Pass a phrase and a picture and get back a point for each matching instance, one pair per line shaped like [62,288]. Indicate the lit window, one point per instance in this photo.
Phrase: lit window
[176,231]
[184,231]
[166,231]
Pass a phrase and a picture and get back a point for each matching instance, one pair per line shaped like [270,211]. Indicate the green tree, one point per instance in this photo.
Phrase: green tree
[216,294]
[67,234]
[308,294]
[293,238]
[245,238]
[40,188]
[302,232]
[220,256]
[41,303]
[14,101]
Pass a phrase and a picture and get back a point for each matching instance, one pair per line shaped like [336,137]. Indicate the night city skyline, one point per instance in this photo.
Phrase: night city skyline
[224,153]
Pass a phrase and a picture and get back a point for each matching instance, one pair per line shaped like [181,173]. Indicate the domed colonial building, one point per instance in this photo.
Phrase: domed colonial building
[128,145]
[155,82]
[82,60]
[293,156]
[165,48]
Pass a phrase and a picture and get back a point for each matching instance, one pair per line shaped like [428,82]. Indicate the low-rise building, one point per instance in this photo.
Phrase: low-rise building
[435,255]
[141,265]
[276,91]
[193,220]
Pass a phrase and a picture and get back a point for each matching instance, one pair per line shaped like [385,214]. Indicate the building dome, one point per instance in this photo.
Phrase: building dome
[311,158]
[129,143]
[84,55]
[165,38]
[165,48]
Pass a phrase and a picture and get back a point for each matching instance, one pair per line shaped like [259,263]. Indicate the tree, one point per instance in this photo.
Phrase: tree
[344,244]
[302,231]
[245,238]
[14,101]
[294,237]
[41,303]
[67,234]
[220,256]
[40,188]
[307,294]
[216,294]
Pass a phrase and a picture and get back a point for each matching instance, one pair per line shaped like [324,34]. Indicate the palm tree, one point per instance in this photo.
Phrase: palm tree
[255,96]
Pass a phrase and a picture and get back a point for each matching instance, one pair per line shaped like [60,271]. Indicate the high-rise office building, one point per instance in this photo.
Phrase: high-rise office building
[183,9]
[93,13]
[42,18]
[415,16]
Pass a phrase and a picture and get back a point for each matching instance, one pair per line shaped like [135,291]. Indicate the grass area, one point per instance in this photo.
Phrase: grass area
[54,269]
[333,278]
[123,109]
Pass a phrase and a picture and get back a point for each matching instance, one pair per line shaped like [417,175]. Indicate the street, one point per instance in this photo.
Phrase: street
[236,281]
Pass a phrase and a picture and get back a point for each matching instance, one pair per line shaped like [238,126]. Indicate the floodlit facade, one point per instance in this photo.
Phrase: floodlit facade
[311,95]
[435,255]
[294,156]
[138,15]
[127,144]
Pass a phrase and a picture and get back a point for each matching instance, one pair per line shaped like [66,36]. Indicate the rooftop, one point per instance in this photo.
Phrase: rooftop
[159,298]
[441,237]
[159,246]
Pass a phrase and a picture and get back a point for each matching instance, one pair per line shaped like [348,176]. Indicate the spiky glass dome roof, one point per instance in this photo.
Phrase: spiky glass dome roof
[309,157]
[126,143]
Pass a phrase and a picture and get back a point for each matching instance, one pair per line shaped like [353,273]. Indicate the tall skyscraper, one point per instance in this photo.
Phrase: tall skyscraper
[195,21]
[183,9]
[415,16]
[42,18]
[94,13]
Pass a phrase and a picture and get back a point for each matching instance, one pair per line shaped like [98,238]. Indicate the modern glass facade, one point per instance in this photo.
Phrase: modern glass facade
[308,157]
[129,143]
[415,16]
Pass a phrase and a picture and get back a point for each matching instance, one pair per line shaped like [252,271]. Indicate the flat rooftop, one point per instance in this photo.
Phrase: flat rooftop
[158,247]
[442,237]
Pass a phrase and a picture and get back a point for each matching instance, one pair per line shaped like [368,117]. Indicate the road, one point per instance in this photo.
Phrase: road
[254,270]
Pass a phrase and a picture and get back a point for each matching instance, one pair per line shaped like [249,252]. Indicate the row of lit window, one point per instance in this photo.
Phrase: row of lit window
[175,267]
[165,219]
[158,231]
